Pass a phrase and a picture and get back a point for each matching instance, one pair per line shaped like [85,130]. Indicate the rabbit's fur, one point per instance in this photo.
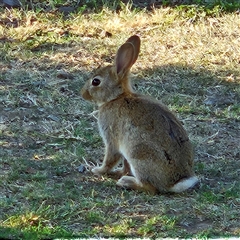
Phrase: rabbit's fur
[157,153]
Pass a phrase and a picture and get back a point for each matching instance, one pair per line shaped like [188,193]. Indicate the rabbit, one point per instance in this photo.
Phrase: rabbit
[157,153]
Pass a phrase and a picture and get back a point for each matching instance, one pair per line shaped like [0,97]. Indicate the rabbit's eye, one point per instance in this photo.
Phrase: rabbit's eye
[96,82]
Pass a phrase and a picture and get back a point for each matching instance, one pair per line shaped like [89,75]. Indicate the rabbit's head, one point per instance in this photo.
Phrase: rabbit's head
[107,83]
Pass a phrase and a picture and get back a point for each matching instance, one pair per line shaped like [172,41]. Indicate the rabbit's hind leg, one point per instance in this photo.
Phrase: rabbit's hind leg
[130,182]
[119,172]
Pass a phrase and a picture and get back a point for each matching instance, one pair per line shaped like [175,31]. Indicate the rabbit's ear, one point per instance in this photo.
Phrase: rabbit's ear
[127,54]
[135,40]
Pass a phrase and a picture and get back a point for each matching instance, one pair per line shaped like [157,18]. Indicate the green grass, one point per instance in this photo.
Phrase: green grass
[203,7]
[47,132]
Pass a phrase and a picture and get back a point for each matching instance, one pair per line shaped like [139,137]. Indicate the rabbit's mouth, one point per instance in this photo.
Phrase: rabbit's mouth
[86,95]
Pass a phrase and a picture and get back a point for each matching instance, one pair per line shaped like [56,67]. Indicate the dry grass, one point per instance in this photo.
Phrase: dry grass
[46,132]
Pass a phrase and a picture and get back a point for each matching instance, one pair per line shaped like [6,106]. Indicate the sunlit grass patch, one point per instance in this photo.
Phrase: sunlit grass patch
[31,225]
[162,223]
[120,229]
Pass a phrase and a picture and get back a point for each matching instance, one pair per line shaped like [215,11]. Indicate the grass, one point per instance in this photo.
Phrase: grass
[46,132]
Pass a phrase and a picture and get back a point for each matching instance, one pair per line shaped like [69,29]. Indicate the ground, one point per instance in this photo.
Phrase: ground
[47,132]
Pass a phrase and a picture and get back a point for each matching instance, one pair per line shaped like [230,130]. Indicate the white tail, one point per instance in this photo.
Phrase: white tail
[184,184]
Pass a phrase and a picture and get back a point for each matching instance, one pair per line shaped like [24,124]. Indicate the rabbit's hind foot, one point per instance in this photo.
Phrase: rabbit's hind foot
[130,182]
[99,171]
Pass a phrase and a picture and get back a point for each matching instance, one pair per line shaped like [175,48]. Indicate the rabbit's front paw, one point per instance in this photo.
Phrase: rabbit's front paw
[98,171]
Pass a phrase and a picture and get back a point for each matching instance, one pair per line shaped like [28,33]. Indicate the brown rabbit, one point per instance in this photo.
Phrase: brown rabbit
[157,153]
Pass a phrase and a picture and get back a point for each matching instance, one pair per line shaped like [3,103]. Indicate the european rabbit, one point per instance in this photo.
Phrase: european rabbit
[157,153]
